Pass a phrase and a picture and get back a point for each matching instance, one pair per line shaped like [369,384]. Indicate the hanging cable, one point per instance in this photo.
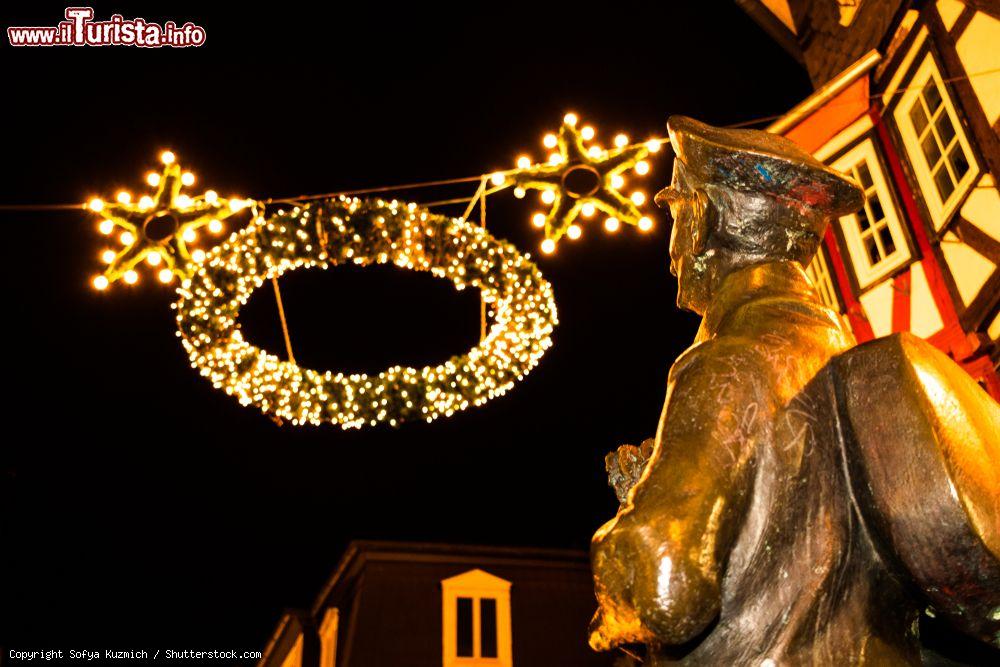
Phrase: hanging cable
[466,179]
[281,316]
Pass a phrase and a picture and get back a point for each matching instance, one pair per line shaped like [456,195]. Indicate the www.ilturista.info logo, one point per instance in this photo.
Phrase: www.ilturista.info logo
[79,29]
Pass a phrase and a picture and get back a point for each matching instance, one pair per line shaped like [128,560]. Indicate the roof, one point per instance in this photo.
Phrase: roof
[294,622]
[825,93]
[818,38]
[361,552]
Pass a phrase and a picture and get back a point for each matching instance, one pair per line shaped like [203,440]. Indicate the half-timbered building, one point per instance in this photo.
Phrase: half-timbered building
[907,101]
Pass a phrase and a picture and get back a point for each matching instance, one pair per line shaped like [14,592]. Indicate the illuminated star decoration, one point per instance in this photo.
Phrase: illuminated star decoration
[158,228]
[577,181]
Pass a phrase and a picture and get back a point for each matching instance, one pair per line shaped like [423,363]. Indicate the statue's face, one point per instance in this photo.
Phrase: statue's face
[688,258]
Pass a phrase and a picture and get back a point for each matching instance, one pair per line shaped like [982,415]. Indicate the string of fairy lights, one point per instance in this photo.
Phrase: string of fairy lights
[159,227]
[343,230]
[165,228]
[579,179]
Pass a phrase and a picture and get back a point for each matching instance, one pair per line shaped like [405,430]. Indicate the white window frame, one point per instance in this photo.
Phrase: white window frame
[477,585]
[866,273]
[819,274]
[940,210]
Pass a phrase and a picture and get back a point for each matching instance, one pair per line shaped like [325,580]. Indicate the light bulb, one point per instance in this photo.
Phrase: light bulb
[214,226]
[570,119]
[153,178]
[519,192]
[165,275]
[588,210]
[100,283]
[167,157]
[523,162]
[617,181]
[549,140]
[621,140]
[154,258]
[612,224]
[211,196]
[188,235]
[95,205]
[127,238]
[653,146]
[145,202]
[645,223]
[574,232]
[555,158]
[106,227]
[108,256]
[594,151]
[182,201]
[497,179]
[587,132]
[198,255]
[538,220]
[638,198]
[548,196]
[238,204]
[131,277]
[548,246]
[187,178]
[123,197]
[642,167]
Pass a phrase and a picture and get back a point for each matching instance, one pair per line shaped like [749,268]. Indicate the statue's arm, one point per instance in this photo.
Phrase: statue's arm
[656,564]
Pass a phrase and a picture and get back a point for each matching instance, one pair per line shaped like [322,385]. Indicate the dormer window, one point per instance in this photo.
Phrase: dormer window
[475,620]
[848,10]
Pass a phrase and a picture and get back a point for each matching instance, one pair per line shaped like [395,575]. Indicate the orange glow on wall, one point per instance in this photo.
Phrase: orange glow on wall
[820,126]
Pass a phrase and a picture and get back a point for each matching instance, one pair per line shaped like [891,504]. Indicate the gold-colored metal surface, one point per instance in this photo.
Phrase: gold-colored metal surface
[744,540]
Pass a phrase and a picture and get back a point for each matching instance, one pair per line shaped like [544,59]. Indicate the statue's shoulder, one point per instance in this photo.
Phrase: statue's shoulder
[729,356]
[776,313]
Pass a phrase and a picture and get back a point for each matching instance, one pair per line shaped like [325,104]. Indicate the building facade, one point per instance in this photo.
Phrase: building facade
[430,605]
[907,101]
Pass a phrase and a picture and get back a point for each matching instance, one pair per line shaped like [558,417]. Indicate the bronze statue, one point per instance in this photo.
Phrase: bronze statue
[804,500]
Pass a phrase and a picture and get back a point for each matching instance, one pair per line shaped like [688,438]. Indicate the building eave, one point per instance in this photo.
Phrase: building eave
[825,93]
[360,552]
[773,26]
[299,618]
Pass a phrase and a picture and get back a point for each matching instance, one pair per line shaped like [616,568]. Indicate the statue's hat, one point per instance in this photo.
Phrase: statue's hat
[760,162]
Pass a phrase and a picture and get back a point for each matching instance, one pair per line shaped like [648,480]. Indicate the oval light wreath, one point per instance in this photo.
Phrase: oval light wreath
[335,231]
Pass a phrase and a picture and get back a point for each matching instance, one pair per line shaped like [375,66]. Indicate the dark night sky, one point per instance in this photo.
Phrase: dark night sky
[142,507]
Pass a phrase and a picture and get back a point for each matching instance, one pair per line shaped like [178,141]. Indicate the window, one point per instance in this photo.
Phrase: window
[476,620]
[328,638]
[876,242]
[819,274]
[935,143]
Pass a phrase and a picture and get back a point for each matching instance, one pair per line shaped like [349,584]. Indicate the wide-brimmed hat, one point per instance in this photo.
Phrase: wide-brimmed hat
[760,162]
